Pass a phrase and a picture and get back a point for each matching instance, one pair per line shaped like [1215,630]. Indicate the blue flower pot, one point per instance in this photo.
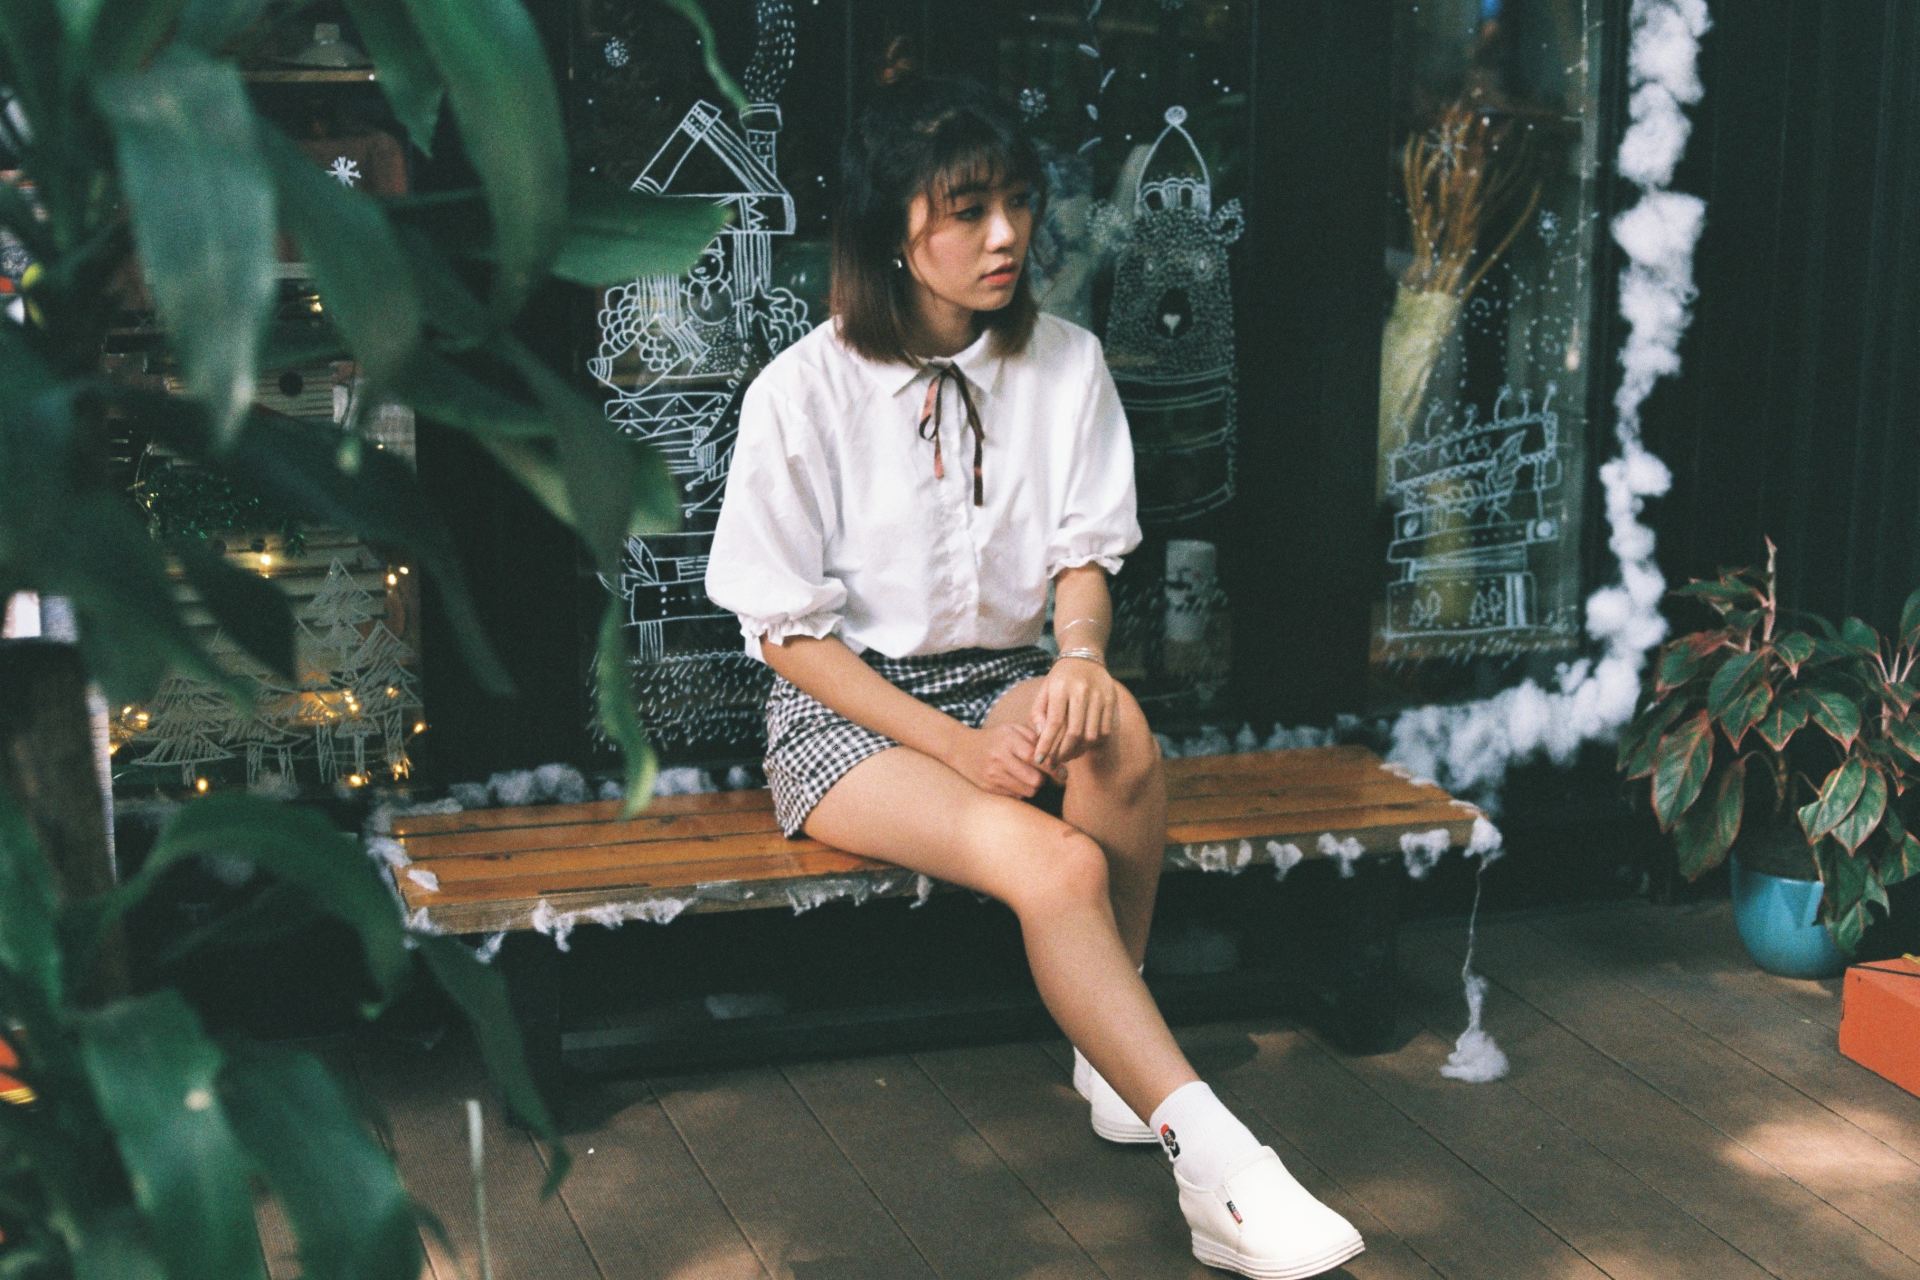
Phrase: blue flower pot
[1779,922]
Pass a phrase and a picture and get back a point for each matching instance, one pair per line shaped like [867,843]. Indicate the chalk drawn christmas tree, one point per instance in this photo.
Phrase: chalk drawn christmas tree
[187,720]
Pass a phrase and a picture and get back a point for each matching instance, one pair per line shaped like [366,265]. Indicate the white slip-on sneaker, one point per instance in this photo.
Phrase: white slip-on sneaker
[1113,1119]
[1262,1223]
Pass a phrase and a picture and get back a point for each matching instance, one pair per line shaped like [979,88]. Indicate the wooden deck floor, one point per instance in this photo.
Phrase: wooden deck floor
[1672,1114]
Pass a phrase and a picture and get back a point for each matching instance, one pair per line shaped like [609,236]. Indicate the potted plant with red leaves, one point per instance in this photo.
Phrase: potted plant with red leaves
[1825,715]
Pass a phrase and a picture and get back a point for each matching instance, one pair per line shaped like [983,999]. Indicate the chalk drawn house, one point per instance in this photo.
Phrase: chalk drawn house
[676,352]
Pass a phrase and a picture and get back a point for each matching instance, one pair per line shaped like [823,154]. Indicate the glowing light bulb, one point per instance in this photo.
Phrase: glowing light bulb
[201,785]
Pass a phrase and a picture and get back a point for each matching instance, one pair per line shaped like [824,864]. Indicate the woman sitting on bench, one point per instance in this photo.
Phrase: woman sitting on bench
[909,480]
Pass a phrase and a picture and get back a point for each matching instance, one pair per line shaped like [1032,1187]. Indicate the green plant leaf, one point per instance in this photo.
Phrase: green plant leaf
[1905,735]
[613,694]
[1861,820]
[503,97]
[1680,765]
[615,486]
[441,390]
[124,40]
[1838,794]
[1706,831]
[350,1216]
[203,216]
[1682,659]
[290,844]
[29,947]
[407,75]
[209,24]
[364,277]
[1900,695]
[1843,903]
[245,605]
[1746,711]
[1785,718]
[1838,714]
[1732,680]
[1642,735]
[132,632]
[111,1245]
[482,997]
[615,235]
[1794,648]
[1858,634]
[1903,855]
[1910,620]
[153,1074]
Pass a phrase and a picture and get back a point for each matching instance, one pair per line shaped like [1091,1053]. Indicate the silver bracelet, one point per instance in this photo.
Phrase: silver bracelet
[1091,655]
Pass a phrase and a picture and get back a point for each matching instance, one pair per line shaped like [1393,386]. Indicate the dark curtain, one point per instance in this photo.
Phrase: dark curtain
[1798,412]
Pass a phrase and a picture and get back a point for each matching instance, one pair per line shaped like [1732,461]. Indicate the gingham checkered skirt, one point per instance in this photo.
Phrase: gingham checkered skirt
[810,747]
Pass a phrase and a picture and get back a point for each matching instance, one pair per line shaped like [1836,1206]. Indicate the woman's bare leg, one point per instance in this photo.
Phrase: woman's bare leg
[1116,793]
[907,808]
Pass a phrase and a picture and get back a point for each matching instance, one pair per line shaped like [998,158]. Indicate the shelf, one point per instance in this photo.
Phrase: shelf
[311,75]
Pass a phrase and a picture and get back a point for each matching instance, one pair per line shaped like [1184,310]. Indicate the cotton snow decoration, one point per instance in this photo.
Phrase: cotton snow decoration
[1347,852]
[1468,748]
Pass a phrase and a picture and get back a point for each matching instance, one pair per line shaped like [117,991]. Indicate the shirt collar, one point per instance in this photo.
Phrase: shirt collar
[978,361]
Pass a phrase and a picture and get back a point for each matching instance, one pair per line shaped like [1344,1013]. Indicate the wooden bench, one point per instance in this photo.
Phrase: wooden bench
[555,867]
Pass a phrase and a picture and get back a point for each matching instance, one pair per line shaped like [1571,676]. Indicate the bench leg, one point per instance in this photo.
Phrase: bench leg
[1365,982]
[530,964]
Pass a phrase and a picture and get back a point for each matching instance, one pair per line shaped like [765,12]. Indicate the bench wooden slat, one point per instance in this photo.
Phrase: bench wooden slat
[494,866]
[1191,775]
[1251,796]
[691,859]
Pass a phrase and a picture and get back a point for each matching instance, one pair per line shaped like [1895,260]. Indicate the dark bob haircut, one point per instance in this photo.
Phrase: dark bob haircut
[931,135]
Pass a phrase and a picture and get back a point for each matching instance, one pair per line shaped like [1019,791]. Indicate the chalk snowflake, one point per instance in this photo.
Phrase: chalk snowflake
[345,171]
[1549,225]
[1033,103]
[616,52]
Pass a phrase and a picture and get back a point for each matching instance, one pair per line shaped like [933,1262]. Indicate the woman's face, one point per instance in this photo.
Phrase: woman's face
[968,253]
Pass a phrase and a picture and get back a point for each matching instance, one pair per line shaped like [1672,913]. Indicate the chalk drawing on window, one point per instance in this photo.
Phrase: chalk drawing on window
[1169,336]
[676,352]
[1472,497]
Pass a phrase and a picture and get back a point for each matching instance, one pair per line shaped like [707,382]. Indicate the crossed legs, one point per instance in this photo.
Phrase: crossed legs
[1082,886]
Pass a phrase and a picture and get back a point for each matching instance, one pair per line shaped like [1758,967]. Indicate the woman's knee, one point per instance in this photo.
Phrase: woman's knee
[1128,759]
[1068,873]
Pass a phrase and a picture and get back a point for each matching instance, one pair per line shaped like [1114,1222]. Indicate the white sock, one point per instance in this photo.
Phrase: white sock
[1201,1137]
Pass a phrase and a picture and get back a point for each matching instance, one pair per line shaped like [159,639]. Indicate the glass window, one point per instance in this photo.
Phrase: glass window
[1485,349]
[1140,108]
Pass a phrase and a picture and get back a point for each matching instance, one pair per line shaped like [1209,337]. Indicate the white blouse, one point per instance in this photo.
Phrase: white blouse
[833,521]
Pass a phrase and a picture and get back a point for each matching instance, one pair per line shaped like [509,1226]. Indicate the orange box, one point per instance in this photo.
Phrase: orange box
[1880,1019]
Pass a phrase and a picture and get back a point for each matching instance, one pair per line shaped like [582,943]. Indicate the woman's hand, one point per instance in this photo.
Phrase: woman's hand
[1075,710]
[999,759]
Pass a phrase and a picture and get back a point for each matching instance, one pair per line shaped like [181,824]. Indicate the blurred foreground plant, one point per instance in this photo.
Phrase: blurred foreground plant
[145,172]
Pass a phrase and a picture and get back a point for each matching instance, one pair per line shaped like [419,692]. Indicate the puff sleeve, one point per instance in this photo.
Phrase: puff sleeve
[768,558]
[1099,521]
